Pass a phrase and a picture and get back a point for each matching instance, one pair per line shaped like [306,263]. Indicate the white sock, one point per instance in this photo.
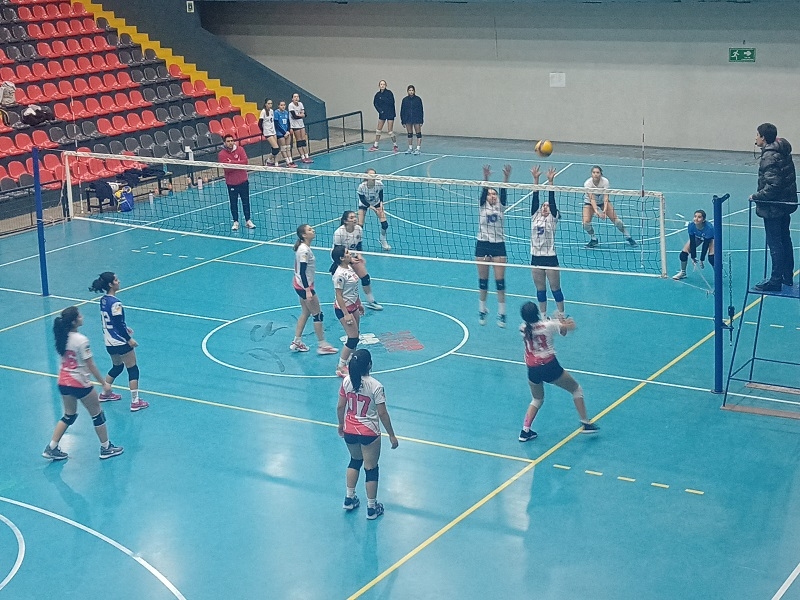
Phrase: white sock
[134,396]
[372,502]
[351,492]
[53,444]
[501,308]
[482,304]
[105,444]
[370,297]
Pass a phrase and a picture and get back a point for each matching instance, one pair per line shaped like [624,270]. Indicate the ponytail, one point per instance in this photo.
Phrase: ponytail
[530,314]
[336,254]
[62,326]
[301,229]
[359,366]
[103,282]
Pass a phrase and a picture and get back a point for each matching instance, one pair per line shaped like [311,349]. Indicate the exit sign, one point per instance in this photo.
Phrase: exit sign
[741,55]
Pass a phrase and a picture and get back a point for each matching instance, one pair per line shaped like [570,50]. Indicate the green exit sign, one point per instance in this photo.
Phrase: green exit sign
[741,55]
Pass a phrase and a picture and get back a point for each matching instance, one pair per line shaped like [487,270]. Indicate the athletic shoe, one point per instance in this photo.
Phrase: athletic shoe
[342,371]
[292,165]
[631,241]
[409,151]
[306,161]
[527,436]
[787,281]
[679,275]
[112,450]
[351,503]
[110,396]
[769,286]
[54,453]
[298,347]
[139,405]
[416,151]
[374,513]
[482,318]
[249,224]
[592,244]
[327,349]
[395,149]
[373,148]
[589,428]
[373,305]
[235,226]
[385,245]
[501,321]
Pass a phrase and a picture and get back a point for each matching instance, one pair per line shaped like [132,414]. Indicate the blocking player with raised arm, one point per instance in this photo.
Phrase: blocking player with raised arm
[303,283]
[596,202]
[350,235]
[543,367]
[360,411]
[266,123]
[370,197]
[297,112]
[119,339]
[544,222]
[490,248]
[348,305]
[701,233]
[284,133]
[74,384]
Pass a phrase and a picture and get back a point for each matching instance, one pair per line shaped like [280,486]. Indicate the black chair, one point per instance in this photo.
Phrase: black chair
[90,130]
[137,56]
[175,150]
[163,115]
[148,152]
[176,114]
[175,92]
[161,138]
[58,136]
[29,52]
[150,95]
[112,39]
[116,147]
[131,144]
[100,149]
[14,120]
[189,133]
[137,76]
[189,111]
[150,56]
[25,180]
[202,128]
[19,33]
[150,74]
[125,41]
[125,58]
[5,35]
[162,74]
[7,184]
[216,139]
[14,54]
[146,141]
[102,23]
[175,135]
[159,151]
[73,132]
[10,16]
[162,92]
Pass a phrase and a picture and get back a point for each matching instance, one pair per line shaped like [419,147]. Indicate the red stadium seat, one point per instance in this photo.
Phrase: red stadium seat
[187,88]
[107,105]
[59,48]
[8,74]
[43,49]
[15,169]
[78,10]
[25,75]
[25,14]
[87,45]
[76,27]
[101,43]
[62,29]
[99,65]
[149,119]
[215,126]
[122,101]
[34,94]
[96,168]
[135,122]
[48,31]
[41,140]
[251,118]
[104,126]
[51,161]
[112,60]
[138,100]
[81,87]
[4,60]
[85,65]
[119,123]
[74,47]
[238,121]
[213,107]
[50,91]
[97,85]
[226,105]
[53,12]
[89,26]
[227,124]
[55,70]
[7,147]
[176,73]
[124,80]
[39,71]
[110,82]
[35,32]
[202,108]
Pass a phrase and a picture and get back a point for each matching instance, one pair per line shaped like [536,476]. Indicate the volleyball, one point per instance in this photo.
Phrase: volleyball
[543,148]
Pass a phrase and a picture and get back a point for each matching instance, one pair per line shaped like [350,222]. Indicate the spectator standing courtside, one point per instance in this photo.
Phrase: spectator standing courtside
[236,180]
[412,118]
[384,104]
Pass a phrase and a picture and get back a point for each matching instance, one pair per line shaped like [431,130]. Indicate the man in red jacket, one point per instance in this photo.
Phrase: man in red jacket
[236,180]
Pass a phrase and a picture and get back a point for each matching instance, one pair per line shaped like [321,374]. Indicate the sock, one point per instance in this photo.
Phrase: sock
[526,428]
[351,492]
[53,444]
[501,308]
[105,445]
[417,148]
[482,306]
[297,340]
[370,297]
[410,147]
[371,502]
[134,396]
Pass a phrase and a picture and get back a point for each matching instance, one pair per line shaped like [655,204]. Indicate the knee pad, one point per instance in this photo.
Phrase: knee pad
[483,284]
[365,280]
[355,463]
[133,373]
[684,256]
[114,371]
[711,259]
[537,402]
[69,419]
[301,144]
[378,132]
[500,284]
[372,474]
[276,151]
[587,227]
[558,295]
[410,136]
[541,295]
[578,394]
[419,135]
[351,343]
[99,419]
[318,317]
[384,225]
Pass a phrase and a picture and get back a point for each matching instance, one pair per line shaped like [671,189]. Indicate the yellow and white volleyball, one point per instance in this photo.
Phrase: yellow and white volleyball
[543,148]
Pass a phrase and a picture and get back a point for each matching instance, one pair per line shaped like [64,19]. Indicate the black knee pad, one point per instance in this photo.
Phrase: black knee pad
[384,225]
[318,317]
[483,284]
[133,373]
[276,151]
[115,370]
[355,463]
[684,256]
[99,419]
[558,295]
[351,343]
[372,474]
[69,419]
[500,284]
[411,136]
[301,144]
[365,280]
[419,136]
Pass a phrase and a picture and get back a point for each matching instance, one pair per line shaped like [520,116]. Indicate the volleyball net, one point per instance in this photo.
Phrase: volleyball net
[428,218]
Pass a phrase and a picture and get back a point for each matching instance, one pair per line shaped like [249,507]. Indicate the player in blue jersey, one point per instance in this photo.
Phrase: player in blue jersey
[701,233]
[119,338]
[283,132]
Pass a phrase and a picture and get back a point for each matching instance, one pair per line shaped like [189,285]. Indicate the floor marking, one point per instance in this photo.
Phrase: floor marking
[628,479]
[20,551]
[786,584]
[155,572]
[595,473]
[94,239]
[660,485]
[564,467]
[691,491]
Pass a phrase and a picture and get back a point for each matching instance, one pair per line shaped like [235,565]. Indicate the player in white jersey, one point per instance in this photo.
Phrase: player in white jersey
[119,339]
[360,410]
[348,306]
[543,367]
[544,221]
[74,384]
[491,246]
[303,283]
[370,197]
[297,112]
[266,122]
[350,235]
[596,202]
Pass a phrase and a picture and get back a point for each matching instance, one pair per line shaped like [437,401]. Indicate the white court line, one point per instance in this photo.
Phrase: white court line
[66,247]
[789,580]
[20,551]
[155,572]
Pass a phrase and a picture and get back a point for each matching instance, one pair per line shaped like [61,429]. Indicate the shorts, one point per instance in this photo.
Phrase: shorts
[544,261]
[387,116]
[298,128]
[547,372]
[119,350]
[599,204]
[281,135]
[364,440]
[350,310]
[490,249]
[75,392]
[366,207]
[302,293]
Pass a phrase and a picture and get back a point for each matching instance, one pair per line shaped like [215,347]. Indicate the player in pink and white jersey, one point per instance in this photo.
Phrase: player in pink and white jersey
[361,410]
[348,305]
[543,366]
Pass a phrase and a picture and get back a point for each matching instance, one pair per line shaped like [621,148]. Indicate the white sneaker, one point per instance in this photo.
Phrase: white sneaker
[249,224]
[298,347]
[385,245]
[416,151]
[679,275]
[235,226]
[409,151]
[373,305]
[323,350]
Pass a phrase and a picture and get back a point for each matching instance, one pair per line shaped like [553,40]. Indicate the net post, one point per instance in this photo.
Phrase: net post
[662,224]
[719,326]
[68,183]
[37,190]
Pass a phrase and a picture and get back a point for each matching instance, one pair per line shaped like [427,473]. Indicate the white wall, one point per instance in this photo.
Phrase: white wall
[483,69]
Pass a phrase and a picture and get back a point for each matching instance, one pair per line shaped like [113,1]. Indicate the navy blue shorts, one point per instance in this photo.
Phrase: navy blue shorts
[544,261]
[302,293]
[547,372]
[119,350]
[490,249]
[75,392]
[364,440]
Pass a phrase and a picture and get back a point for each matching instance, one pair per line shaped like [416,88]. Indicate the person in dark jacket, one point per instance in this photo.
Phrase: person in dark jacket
[384,104]
[776,200]
[411,116]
